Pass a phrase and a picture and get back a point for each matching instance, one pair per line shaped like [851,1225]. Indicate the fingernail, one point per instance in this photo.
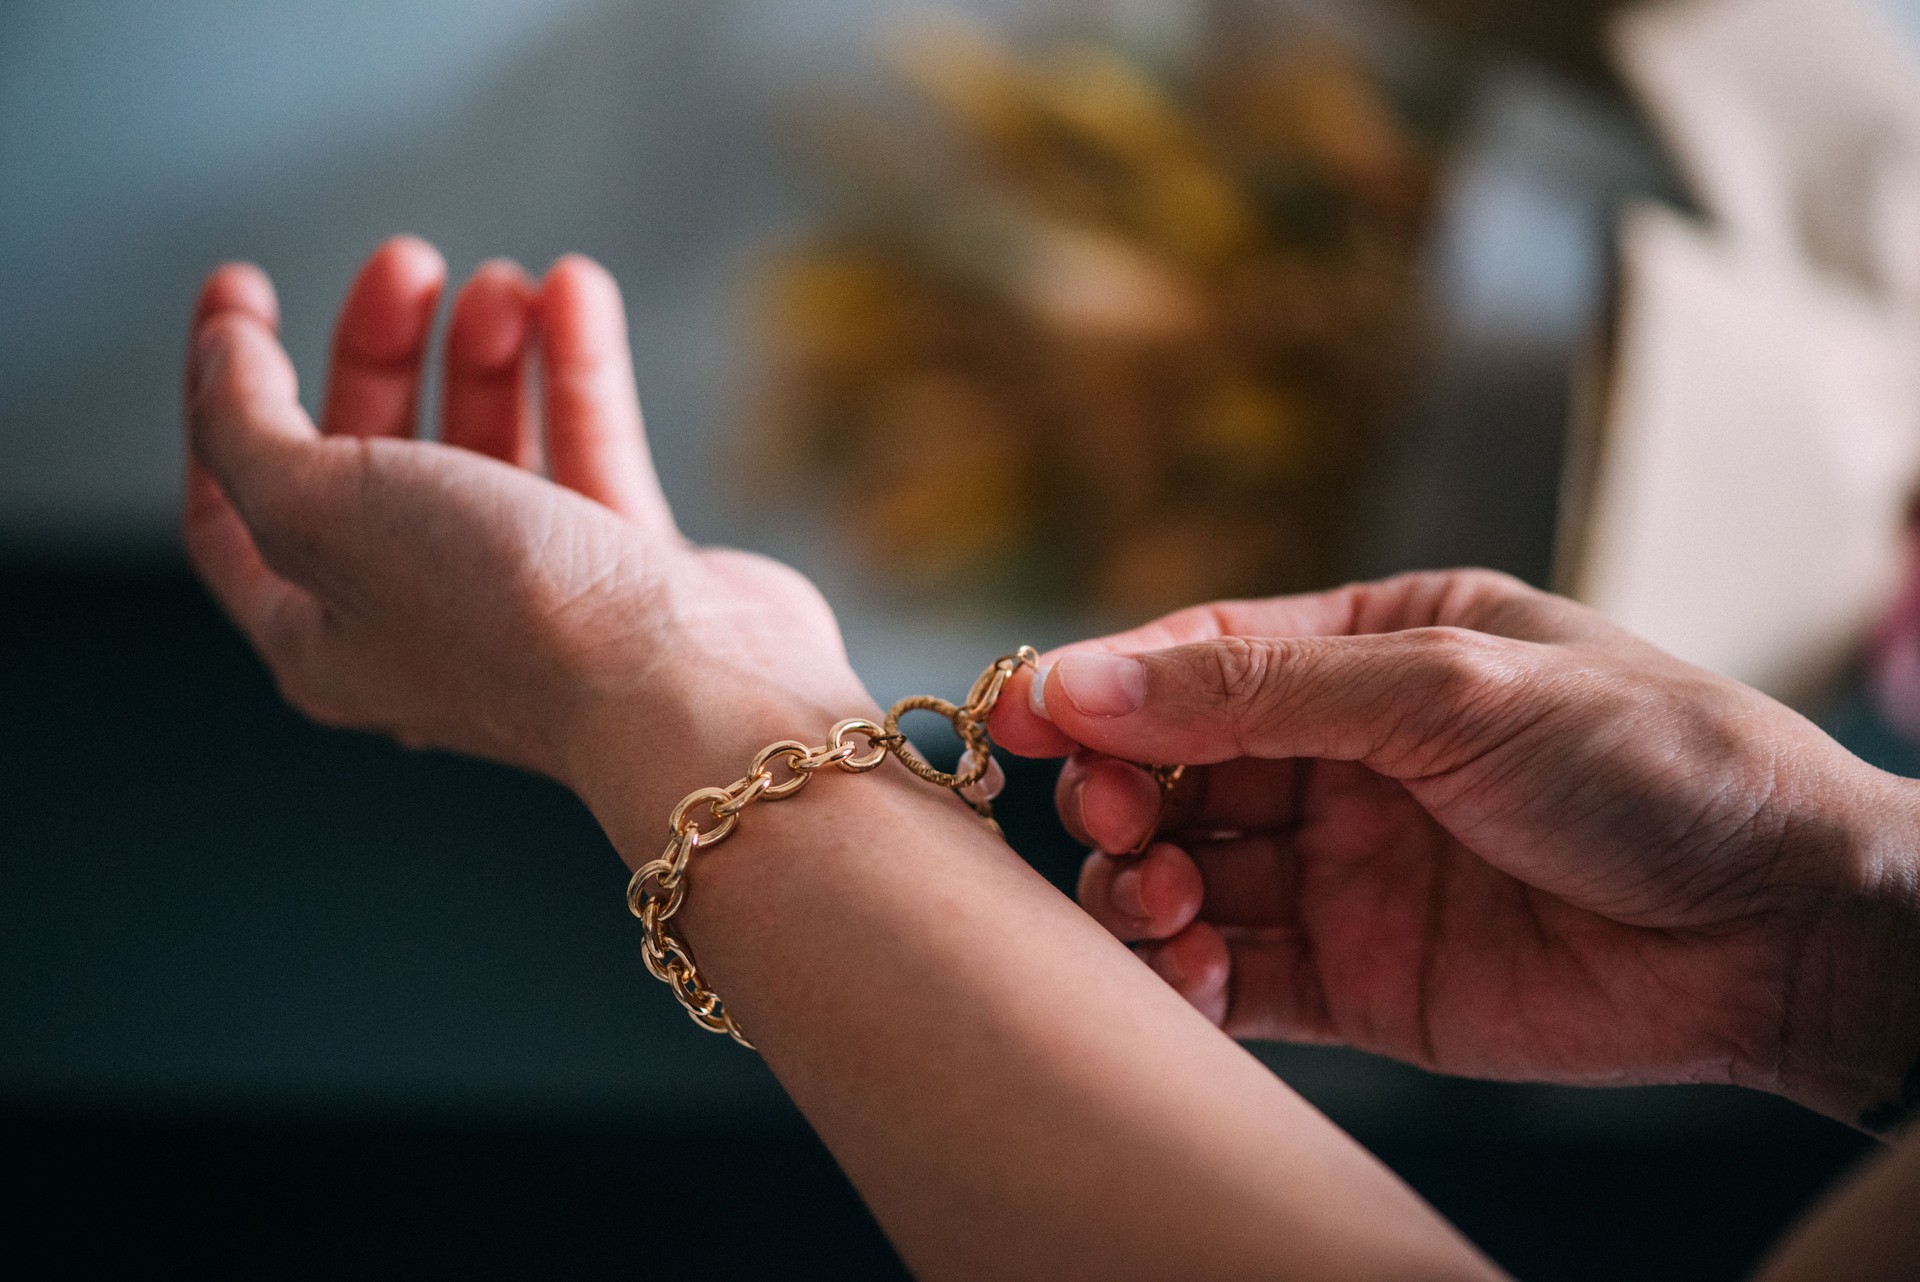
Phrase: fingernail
[1102,685]
[1037,693]
[1127,895]
[983,790]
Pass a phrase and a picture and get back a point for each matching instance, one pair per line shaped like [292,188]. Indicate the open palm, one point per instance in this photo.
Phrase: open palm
[486,591]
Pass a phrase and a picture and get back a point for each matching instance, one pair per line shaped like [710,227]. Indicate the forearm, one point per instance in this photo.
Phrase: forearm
[1010,1089]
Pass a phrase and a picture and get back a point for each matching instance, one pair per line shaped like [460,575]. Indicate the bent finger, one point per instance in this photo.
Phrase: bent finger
[1153,895]
[1276,993]
[1197,965]
[380,340]
[1106,803]
[1247,880]
[247,430]
[1118,809]
[1256,985]
[236,287]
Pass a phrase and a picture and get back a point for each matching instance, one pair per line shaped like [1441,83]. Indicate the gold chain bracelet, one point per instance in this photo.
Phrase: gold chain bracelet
[659,888]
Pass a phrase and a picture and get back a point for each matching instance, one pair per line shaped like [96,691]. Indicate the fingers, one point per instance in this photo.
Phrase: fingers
[1258,984]
[1481,600]
[237,287]
[595,441]
[244,421]
[1023,724]
[1198,965]
[373,382]
[1404,703]
[1115,805]
[217,543]
[485,394]
[1152,895]
[1238,881]
[1107,804]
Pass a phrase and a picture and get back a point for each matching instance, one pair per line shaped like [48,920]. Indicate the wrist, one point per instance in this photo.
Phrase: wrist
[1850,1045]
[631,755]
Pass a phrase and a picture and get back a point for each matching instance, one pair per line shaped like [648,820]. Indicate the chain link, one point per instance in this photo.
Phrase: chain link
[707,816]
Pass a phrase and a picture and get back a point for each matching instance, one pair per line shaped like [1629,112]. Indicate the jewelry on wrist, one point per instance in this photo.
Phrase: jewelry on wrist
[658,889]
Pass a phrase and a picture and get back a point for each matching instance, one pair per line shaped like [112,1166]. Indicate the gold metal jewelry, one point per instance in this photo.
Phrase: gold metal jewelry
[707,816]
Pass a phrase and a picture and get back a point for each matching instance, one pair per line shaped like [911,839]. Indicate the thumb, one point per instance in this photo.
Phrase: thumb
[244,421]
[1407,703]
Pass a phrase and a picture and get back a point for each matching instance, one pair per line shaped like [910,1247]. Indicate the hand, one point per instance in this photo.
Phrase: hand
[448,593]
[1470,825]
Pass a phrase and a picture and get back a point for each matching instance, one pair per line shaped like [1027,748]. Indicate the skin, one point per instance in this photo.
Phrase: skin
[517,591]
[423,589]
[447,595]
[1467,824]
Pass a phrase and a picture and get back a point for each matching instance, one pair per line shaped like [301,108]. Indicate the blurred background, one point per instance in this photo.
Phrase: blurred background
[1006,321]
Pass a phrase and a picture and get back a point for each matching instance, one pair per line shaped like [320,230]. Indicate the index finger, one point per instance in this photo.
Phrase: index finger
[380,339]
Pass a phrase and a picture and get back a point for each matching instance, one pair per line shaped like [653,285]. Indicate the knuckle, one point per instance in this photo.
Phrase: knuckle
[1236,666]
[1461,667]
[1471,596]
[1241,679]
[1502,604]
[1419,582]
[1463,686]
[1494,582]
[1489,587]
